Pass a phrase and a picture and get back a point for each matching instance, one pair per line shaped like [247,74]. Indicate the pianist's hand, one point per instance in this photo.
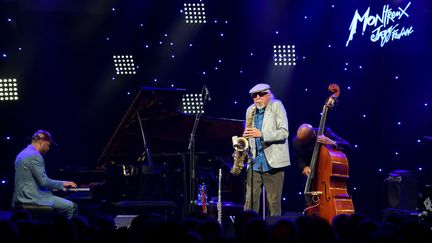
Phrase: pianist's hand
[67,184]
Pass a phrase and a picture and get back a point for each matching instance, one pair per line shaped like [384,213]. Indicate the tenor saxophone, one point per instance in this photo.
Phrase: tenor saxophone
[240,145]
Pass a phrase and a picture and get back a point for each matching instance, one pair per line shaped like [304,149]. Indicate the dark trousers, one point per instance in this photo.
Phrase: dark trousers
[273,183]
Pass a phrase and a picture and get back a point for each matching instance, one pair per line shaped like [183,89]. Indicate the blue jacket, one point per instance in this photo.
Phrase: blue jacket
[32,184]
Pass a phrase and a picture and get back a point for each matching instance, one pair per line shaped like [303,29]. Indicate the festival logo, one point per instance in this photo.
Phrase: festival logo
[387,27]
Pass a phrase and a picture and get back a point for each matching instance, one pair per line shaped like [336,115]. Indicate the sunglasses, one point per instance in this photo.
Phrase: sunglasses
[261,94]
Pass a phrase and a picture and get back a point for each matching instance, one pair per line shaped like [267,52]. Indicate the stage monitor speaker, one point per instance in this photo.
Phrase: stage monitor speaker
[426,200]
[122,221]
[400,190]
[167,209]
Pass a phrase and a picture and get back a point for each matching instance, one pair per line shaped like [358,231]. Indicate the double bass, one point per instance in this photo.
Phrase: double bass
[325,191]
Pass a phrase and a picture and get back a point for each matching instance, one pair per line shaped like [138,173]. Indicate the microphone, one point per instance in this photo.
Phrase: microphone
[207,93]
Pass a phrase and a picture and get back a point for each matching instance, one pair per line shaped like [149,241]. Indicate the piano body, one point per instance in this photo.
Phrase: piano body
[147,157]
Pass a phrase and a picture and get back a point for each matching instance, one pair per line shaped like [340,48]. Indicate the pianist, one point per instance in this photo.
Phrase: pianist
[32,185]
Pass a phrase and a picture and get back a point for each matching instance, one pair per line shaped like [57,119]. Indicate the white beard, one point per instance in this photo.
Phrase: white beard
[260,105]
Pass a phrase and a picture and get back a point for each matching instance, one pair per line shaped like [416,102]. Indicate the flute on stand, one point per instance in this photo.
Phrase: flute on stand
[219,203]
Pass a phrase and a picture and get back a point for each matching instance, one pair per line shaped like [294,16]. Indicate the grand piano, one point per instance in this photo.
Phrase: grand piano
[147,157]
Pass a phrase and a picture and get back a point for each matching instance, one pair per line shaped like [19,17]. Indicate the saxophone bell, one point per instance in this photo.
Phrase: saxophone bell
[240,143]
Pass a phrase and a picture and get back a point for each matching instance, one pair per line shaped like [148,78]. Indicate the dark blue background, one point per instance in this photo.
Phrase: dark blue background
[65,76]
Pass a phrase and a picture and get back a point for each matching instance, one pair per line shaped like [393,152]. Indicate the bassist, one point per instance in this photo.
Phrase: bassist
[304,142]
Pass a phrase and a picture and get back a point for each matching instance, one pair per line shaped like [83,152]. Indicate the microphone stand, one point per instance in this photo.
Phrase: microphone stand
[146,147]
[251,164]
[192,162]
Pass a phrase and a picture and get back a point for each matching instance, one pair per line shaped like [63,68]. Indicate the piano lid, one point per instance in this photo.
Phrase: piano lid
[166,129]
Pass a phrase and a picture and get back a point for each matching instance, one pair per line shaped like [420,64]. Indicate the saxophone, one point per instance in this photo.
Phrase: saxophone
[240,145]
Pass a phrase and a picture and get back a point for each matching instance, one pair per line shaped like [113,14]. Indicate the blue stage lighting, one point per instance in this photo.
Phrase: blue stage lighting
[8,89]
[284,55]
[194,13]
[192,103]
[124,64]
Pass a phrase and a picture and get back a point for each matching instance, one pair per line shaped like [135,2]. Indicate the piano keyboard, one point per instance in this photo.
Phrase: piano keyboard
[76,189]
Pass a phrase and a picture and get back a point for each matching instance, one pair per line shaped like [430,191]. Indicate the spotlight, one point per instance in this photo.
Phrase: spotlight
[192,103]
[194,13]
[284,55]
[8,89]
[124,64]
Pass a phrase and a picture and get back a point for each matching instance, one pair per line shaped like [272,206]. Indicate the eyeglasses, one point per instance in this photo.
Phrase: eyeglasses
[261,94]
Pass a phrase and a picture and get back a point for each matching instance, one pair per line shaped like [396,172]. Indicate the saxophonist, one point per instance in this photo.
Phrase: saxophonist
[268,142]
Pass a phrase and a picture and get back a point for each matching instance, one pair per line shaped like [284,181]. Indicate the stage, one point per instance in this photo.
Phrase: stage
[143,97]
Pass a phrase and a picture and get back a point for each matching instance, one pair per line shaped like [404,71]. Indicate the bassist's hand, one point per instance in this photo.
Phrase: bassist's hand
[325,140]
[306,171]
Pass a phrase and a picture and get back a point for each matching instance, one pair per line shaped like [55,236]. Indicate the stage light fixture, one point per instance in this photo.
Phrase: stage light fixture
[124,64]
[192,103]
[284,55]
[8,89]
[194,13]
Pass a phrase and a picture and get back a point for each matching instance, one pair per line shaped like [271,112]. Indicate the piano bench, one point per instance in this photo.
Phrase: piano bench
[38,212]
[165,208]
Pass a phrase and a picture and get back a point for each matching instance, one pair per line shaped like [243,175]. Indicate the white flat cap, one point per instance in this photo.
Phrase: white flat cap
[259,88]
